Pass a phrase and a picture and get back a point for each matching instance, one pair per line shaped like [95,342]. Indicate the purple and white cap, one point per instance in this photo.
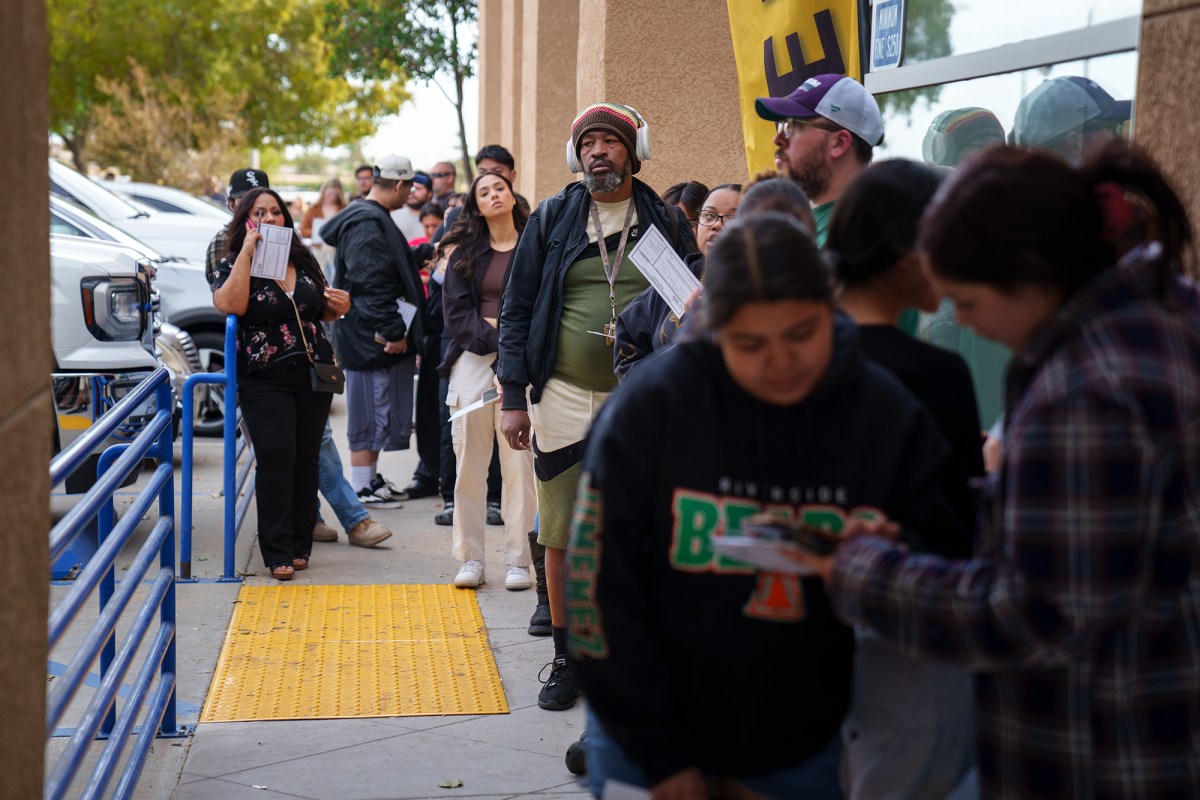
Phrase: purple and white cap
[843,101]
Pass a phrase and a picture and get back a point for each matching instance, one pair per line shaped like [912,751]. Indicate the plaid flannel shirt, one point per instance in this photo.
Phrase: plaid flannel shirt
[1081,612]
[218,248]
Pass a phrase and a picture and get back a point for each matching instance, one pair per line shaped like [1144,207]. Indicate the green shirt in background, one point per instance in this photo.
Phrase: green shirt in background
[584,359]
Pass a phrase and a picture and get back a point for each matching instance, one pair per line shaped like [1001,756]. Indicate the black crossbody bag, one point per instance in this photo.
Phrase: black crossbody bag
[324,377]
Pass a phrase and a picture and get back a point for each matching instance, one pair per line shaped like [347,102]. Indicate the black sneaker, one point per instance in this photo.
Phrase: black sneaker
[445,516]
[493,515]
[561,688]
[372,499]
[386,489]
[577,756]
[416,490]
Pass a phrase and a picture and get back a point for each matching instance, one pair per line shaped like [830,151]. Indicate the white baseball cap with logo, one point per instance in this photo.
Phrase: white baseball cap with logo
[843,101]
[395,168]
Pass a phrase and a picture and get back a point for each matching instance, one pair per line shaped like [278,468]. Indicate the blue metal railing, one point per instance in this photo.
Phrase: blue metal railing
[235,483]
[100,717]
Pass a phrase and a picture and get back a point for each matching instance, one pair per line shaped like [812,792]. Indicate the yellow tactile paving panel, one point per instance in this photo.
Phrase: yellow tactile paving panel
[324,652]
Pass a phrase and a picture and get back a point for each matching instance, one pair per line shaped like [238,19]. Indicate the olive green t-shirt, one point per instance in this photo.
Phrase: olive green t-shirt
[584,359]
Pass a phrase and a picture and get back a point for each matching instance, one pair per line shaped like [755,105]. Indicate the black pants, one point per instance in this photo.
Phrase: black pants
[428,422]
[286,419]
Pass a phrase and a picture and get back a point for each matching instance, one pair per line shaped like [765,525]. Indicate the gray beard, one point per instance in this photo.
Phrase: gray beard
[607,183]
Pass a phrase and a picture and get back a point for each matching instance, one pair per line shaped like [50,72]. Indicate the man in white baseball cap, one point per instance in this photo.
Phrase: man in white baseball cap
[826,131]
[375,343]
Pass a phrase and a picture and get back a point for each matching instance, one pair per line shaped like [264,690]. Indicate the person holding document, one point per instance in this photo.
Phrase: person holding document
[483,239]
[665,630]
[278,332]
[571,277]
[382,333]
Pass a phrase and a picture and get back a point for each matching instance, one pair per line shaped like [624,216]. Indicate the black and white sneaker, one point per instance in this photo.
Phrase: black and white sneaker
[374,496]
[383,484]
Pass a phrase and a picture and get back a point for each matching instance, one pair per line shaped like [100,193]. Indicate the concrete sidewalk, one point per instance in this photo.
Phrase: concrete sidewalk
[519,754]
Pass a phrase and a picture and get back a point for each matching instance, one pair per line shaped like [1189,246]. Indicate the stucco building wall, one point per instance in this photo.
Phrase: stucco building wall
[1168,94]
[26,421]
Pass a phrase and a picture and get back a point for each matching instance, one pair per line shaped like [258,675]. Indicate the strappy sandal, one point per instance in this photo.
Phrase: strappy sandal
[300,563]
[283,572]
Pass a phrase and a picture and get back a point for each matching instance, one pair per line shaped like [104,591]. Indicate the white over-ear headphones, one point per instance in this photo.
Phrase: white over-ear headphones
[642,153]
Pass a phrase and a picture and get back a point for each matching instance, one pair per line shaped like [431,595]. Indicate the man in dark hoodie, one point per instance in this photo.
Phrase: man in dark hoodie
[378,339]
[570,278]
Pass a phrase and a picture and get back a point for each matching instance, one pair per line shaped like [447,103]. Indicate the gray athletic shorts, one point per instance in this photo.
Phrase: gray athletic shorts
[380,403]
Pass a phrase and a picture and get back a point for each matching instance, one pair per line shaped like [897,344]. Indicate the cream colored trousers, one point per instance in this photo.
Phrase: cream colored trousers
[473,436]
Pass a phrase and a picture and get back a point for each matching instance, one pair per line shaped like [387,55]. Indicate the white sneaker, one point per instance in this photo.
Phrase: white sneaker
[517,578]
[470,575]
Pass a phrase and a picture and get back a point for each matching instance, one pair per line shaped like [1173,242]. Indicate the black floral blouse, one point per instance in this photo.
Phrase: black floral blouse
[267,333]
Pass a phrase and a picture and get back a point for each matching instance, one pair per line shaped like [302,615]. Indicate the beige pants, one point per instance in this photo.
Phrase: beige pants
[473,436]
[560,418]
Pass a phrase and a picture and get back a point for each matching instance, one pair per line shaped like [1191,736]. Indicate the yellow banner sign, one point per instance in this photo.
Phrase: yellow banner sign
[779,44]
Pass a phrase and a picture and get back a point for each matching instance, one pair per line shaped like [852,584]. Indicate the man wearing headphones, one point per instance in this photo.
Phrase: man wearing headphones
[571,277]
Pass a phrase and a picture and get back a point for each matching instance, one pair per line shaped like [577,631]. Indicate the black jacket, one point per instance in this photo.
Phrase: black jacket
[375,265]
[553,239]
[647,324]
[460,310]
[676,645]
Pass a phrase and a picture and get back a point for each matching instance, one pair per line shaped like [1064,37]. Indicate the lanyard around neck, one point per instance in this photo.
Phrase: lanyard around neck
[612,271]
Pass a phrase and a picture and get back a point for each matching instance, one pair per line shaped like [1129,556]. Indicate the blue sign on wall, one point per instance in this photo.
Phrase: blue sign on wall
[887,33]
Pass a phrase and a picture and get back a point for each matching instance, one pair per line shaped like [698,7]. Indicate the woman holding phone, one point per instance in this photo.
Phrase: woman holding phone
[665,630]
[278,331]
[483,239]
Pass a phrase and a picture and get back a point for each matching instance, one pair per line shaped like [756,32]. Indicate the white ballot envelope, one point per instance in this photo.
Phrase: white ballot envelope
[490,396]
[765,555]
[663,267]
[407,312]
[271,255]
[316,230]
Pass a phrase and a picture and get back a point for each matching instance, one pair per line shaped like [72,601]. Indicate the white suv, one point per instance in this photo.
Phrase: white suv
[102,335]
[170,234]
[185,301]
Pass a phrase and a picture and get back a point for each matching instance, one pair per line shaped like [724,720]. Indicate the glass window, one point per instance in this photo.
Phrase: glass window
[1047,116]
[1065,108]
[61,226]
[159,205]
[937,28]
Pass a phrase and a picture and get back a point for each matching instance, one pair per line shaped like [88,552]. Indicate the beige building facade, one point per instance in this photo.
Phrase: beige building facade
[541,61]
[673,60]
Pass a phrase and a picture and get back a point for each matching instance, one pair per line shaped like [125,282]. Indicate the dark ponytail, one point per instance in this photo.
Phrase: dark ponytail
[1013,216]
[1139,205]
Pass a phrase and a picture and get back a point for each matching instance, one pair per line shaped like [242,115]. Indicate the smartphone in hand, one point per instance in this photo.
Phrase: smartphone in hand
[770,528]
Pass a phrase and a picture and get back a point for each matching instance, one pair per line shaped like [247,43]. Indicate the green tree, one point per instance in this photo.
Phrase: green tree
[151,129]
[270,52]
[422,39]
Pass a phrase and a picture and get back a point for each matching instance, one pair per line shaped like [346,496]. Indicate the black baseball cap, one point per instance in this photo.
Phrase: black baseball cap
[244,180]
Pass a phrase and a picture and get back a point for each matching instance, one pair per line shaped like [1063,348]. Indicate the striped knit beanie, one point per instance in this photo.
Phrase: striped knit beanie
[957,130]
[612,117]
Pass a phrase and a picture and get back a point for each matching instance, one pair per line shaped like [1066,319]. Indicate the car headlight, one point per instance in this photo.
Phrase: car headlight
[113,308]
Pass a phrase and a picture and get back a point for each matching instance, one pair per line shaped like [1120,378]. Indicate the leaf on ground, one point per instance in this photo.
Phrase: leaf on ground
[456,783]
